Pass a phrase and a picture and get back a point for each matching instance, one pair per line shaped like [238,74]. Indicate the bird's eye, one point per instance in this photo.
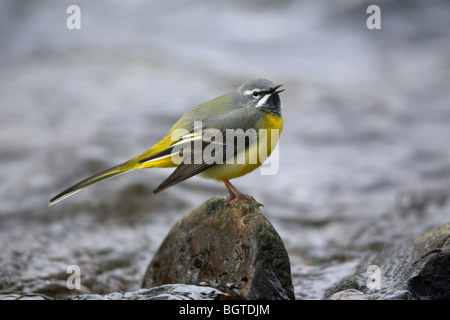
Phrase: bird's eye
[255,94]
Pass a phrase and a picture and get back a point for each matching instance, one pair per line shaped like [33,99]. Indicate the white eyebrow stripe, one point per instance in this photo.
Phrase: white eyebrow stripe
[248,92]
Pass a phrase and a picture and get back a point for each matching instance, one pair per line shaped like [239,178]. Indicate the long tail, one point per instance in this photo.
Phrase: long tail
[112,172]
[153,157]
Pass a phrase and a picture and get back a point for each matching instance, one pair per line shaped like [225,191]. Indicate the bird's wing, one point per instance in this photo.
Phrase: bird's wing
[184,142]
[203,150]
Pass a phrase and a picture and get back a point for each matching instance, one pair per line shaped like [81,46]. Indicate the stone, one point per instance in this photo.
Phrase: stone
[232,247]
[164,292]
[417,269]
[349,294]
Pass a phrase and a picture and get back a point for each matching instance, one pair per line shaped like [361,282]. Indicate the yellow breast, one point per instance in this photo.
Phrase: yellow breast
[269,130]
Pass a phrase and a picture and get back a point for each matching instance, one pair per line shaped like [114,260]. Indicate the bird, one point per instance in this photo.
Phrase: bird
[222,139]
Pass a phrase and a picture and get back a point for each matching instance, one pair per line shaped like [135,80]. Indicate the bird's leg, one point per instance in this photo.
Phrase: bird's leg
[235,195]
[230,188]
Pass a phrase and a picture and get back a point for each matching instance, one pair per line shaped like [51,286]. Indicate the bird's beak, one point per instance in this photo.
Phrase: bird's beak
[274,89]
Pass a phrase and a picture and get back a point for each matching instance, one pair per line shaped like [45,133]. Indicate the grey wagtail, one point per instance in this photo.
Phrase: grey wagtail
[222,139]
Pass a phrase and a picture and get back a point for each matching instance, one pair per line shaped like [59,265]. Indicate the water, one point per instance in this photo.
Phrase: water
[364,156]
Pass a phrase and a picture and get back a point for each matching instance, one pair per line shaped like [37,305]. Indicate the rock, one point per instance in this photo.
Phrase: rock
[415,269]
[350,294]
[164,292]
[231,247]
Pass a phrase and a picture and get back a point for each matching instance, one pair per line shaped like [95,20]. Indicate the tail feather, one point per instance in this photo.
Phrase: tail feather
[112,172]
[162,160]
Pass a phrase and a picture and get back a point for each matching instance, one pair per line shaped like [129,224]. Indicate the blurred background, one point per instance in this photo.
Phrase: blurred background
[364,155]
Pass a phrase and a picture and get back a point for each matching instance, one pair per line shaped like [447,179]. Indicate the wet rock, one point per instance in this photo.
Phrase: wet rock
[415,269]
[350,294]
[164,292]
[18,295]
[231,247]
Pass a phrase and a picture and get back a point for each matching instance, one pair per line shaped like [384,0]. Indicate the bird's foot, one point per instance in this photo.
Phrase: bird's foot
[236,197]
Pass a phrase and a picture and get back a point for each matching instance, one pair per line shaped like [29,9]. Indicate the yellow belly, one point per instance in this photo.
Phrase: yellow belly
[267,141]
